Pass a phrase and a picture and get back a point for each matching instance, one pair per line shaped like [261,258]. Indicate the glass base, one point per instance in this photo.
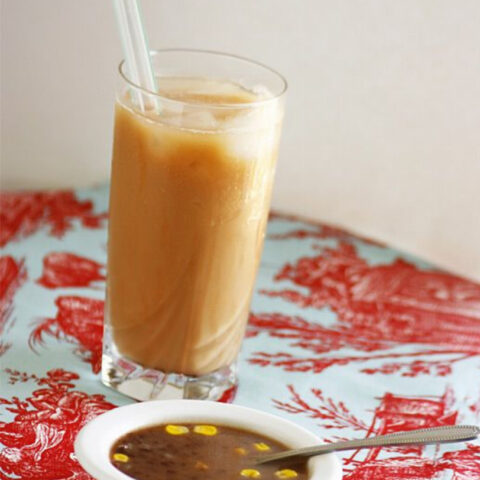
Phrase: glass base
[142,383]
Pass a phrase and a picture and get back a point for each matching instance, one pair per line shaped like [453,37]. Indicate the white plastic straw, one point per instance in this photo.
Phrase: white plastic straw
[135,48]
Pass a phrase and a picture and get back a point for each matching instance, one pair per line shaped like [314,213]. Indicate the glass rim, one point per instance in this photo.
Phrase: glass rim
[253,103]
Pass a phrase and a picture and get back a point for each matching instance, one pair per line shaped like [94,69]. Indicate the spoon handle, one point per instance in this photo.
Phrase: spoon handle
[423,436]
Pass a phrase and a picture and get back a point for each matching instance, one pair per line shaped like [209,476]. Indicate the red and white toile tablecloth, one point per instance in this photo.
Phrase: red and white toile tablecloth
[346,337]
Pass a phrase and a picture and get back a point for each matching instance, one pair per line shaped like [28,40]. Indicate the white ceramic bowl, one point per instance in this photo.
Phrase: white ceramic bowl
[94,441]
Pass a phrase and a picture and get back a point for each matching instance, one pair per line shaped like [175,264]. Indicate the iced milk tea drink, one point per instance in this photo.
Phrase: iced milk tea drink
[191,182]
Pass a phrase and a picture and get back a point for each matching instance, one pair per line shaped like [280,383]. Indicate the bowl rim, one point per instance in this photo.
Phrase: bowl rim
[93,442]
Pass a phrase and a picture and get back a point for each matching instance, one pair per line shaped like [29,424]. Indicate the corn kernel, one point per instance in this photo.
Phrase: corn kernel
[250,473]
[286,473]
[176,429]
[262,447]
[201,466]
[208,430]
[240,451]
[121,457]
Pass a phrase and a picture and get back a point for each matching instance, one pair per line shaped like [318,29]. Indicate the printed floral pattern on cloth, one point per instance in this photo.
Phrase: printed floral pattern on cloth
[357,339]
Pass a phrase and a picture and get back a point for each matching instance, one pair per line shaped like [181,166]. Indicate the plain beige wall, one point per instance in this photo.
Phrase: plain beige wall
[383,127]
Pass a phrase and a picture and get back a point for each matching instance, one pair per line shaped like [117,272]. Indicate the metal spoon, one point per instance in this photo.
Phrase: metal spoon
[423,436]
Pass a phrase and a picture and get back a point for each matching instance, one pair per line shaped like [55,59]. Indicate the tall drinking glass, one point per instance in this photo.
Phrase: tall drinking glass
[192,174]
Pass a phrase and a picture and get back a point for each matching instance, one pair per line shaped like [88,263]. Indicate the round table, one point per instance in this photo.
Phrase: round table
[347,337]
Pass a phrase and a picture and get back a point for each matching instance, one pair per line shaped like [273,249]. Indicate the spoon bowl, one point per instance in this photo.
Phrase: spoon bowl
[95,440]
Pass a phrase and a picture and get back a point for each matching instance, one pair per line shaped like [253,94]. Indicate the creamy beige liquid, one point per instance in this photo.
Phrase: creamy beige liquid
[189,201]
